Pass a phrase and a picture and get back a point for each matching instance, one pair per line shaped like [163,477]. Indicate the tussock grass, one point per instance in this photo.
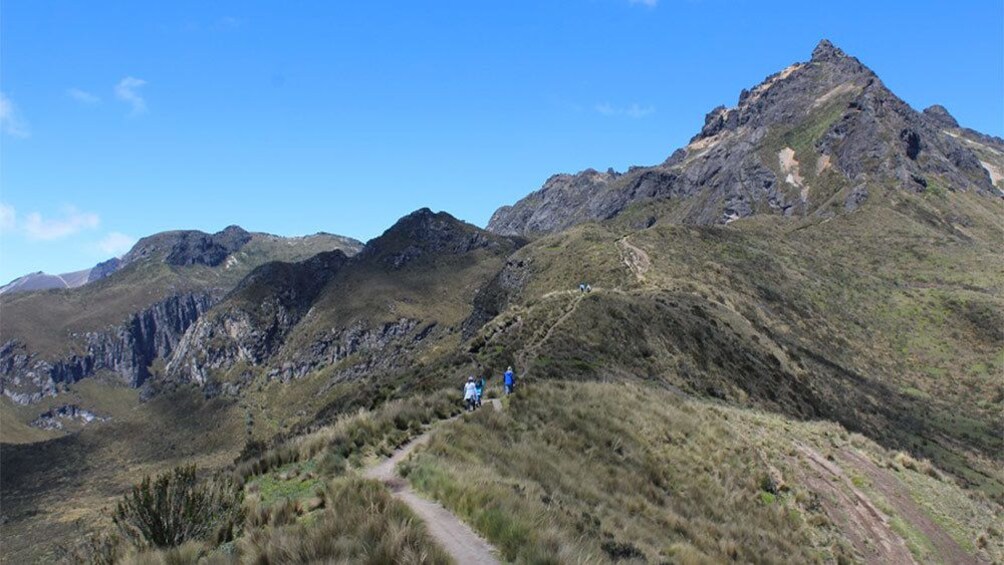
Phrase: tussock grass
[358,521]
[599,472]
[614,471]
[300,503]
[363,524]
[886,320]
[352,437]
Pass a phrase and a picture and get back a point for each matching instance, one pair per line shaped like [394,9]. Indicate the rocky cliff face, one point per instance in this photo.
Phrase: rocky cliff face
[253,322]
[126,350]
[378,347]
[811,139]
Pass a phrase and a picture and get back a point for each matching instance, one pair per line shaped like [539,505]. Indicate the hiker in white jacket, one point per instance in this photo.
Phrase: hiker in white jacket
[470,394]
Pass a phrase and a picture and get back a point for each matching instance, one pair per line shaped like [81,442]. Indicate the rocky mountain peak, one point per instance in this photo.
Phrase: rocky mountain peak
[827,51]
[426,232]
[939,115]
[191,247]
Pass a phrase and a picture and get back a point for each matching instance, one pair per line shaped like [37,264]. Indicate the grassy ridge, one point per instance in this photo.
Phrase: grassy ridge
[591,472]
[887,320]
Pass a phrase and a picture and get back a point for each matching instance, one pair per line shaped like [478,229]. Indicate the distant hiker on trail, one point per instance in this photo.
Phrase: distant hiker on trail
[470,394]
[589,288]
[582,287]
[479,388]
[510,380]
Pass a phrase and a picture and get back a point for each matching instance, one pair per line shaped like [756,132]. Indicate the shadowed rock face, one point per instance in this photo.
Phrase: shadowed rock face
[252,323]
[425,232]
[831,111]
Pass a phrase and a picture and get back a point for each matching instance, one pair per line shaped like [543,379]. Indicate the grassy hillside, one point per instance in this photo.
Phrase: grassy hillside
[591,472]
[55,491]
[887,320]
[777,370]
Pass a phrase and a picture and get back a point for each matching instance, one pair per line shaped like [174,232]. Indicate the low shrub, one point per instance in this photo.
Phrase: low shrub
[176,507]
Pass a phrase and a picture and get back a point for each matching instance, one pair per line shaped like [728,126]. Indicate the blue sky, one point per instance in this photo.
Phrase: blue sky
[124,119]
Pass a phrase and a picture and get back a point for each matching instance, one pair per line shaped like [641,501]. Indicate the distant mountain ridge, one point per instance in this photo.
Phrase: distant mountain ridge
[809,139]
[137,310]
[183,247]
[44,281]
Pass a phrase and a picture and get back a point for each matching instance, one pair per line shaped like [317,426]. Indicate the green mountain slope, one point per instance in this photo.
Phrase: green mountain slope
[800,370]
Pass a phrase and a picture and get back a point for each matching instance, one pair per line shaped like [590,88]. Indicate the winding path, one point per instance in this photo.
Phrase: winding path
[456,537]
[523,356]
[634,258]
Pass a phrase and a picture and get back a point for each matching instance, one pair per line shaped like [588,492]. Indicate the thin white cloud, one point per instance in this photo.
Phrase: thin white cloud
[116,243]
[230,22]
[635,110]
[11,121]
[46,229]
[649,3]
[82,96]
[8,217]
[127,90]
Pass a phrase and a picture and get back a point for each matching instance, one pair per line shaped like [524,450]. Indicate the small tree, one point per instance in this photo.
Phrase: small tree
[176,507]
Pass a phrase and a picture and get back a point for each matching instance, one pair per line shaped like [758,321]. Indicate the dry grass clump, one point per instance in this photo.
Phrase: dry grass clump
[581,472]
[902,460]
[362,523]
[283,506]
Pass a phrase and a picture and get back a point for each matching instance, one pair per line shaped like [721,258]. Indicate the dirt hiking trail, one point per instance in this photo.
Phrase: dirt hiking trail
[634,258]
[454,536]
[946,548]
[867,527]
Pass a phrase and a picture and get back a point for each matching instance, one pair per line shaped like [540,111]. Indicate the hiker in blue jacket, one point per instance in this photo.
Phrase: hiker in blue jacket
[510,381]
[479,389]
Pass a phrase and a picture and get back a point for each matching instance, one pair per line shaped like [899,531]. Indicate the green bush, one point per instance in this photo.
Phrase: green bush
[176,507]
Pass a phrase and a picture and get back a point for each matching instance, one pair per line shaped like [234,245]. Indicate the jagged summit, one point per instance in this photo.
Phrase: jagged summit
[827,51]
[816,137]
[939,114]
[425,232]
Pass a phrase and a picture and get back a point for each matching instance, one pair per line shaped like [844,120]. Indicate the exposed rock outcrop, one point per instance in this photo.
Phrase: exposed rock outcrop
[182,248]
[68,414]
[126,350]
[252,323]
[284,303]
[103,269]
[491,300]
[379,348]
